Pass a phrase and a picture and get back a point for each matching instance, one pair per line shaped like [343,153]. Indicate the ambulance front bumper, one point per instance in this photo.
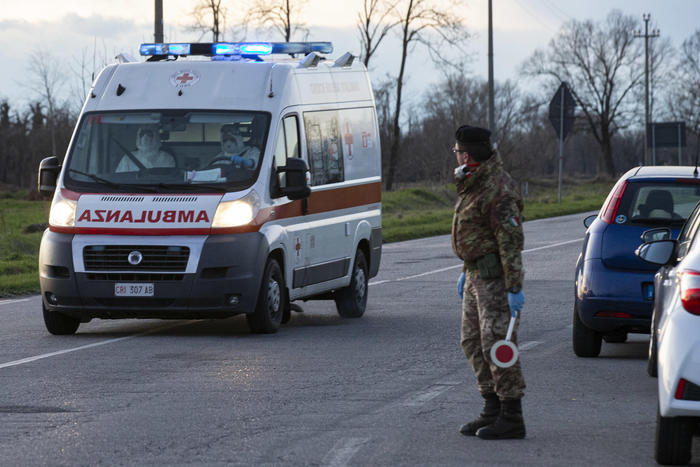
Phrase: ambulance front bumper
[225,282]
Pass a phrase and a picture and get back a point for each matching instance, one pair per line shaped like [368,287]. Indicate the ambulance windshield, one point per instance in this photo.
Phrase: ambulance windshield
[167,150]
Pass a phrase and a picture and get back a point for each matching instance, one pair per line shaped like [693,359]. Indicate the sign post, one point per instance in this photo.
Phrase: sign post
[561,114]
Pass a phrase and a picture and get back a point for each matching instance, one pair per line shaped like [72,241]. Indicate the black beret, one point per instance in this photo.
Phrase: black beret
[467,134]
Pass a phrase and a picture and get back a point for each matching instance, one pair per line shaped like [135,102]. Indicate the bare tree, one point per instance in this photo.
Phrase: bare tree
[425,22]
[84,69]
[47,80]
[281,15]
[209,16]
[601,63]
[684,100]
[373,23]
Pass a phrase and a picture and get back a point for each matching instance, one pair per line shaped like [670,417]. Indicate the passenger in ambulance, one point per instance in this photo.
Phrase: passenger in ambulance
[234,151]
[147,152]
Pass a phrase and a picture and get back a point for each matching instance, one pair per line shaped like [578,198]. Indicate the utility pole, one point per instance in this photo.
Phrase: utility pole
[158,25]
[492,118]
[647,117]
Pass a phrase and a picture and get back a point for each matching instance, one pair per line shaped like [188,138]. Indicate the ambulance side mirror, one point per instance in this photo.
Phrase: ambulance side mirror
[297,186]
[49,168]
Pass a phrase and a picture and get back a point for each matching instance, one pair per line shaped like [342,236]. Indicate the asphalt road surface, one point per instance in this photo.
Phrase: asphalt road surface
[391,388]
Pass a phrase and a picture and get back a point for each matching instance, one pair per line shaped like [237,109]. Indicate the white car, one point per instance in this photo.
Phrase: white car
[674,350]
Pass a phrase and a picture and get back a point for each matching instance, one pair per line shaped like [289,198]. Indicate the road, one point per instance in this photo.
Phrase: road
[391,388]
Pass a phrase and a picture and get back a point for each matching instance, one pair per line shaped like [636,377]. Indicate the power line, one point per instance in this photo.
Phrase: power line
[561,14]
[534,16]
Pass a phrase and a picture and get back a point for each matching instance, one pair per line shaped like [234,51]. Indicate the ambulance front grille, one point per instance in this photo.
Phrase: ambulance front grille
[116,258]
[122,199]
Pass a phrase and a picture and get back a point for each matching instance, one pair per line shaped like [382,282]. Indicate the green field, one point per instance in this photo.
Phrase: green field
[408,213]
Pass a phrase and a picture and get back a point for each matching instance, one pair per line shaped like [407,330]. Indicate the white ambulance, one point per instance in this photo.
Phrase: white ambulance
[213,180]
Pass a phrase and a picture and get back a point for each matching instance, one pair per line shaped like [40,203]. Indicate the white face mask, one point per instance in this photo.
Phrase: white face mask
[146,141]
[232,144]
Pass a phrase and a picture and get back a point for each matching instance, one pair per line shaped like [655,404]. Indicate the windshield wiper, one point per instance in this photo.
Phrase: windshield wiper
[96,178]
[192,186]
[119,186]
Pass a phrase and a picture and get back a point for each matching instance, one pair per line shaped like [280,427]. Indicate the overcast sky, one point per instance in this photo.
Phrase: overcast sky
[69,28]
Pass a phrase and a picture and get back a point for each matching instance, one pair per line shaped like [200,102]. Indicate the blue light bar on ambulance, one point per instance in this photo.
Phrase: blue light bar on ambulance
[164,49]
[236,48]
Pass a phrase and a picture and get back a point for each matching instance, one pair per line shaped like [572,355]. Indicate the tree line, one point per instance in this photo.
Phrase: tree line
[602,62]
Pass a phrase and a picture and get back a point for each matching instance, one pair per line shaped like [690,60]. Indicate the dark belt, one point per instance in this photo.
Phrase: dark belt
[483,266]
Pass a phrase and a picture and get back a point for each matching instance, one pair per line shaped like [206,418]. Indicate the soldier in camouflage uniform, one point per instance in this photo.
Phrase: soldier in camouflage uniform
[487,235]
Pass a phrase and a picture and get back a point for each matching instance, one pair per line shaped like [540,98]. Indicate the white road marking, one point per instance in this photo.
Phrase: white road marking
[435,271]
[343,451]
[528,345]
[552,245]
[88,346]
[10,302]
[426,395]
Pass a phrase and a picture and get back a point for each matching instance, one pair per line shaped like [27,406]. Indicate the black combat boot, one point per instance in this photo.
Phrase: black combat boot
[508,425]
[488,415]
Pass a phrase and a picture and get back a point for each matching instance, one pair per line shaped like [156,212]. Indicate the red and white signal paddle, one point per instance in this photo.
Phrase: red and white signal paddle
[504,353]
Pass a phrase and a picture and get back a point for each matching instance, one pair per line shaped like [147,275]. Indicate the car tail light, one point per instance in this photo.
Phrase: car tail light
[609,210]
[690,291]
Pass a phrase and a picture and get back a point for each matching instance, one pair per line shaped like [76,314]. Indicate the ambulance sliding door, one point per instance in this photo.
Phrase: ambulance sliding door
[336,162]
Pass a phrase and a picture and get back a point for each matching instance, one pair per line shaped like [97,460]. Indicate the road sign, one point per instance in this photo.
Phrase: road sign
[666,135]
[562,98]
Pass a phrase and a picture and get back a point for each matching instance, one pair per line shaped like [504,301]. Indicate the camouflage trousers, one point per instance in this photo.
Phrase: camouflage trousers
[485,318]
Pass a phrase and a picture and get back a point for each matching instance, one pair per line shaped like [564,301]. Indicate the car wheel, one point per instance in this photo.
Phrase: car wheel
[652,361]
[59,324]
[587,342]
[269,310]
[351,301]
[673,439]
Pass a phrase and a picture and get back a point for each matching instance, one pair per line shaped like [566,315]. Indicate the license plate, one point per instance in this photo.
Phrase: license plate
[133,290]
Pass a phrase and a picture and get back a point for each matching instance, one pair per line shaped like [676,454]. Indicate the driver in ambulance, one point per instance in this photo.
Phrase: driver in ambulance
[234,151]
[147,152]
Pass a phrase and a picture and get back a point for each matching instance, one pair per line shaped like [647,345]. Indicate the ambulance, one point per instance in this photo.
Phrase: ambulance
[212,180]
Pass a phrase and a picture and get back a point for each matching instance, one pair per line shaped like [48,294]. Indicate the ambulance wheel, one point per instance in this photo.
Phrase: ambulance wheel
[352,300]
[59,324]
[267,317]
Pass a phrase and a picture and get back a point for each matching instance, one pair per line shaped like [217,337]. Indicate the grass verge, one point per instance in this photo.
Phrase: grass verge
[408,213]
[424,211]
[19,251]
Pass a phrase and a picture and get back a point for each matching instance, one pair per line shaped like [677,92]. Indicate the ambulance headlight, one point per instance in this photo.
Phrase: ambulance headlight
[62,211]
[237,212]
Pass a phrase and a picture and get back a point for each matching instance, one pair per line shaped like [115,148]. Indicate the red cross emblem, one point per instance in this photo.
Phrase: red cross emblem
[184,78]
[298,246]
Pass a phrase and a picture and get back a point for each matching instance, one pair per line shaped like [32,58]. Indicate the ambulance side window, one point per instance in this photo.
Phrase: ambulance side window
[324,146]
[287,144]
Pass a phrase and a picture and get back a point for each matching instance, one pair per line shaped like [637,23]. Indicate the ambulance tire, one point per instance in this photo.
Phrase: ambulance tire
[269,310]
[351,301]
[59,324]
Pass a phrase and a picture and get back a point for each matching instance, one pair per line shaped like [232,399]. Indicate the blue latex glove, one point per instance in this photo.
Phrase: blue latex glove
[460,285]
[515,302]
[236,160]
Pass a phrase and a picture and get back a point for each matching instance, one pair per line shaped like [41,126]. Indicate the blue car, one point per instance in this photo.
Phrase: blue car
[614,289]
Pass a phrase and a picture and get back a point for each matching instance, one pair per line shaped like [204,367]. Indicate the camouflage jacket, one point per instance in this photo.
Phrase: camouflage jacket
[488,219]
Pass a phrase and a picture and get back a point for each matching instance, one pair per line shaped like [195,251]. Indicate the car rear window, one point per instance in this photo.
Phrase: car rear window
[666,203]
